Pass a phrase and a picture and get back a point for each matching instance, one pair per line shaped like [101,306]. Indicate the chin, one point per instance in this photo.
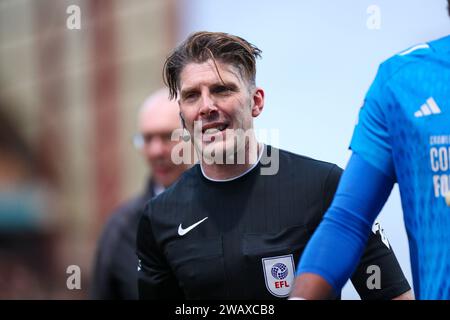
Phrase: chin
[165,182]
[212,150]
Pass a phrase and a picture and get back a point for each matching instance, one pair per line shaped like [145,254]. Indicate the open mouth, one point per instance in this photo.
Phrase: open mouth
[213,128]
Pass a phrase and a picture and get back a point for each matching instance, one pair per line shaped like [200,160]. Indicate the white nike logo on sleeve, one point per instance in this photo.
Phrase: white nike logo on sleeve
[182,231]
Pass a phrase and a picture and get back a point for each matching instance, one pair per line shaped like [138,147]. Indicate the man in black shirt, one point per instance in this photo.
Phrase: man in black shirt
[234,225]
[114,275]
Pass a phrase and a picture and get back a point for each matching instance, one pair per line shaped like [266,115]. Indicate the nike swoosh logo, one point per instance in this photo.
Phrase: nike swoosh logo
[182,231]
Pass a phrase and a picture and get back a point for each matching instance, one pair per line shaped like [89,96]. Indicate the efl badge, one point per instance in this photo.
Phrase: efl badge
[279,274]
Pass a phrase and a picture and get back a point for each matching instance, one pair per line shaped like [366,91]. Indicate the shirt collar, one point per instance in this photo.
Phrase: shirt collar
[262,146]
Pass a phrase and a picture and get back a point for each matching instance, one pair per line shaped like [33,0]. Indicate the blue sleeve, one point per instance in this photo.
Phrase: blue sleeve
[371,137]
[338,243]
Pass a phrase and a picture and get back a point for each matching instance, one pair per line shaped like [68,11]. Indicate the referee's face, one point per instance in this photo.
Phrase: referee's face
[222,100]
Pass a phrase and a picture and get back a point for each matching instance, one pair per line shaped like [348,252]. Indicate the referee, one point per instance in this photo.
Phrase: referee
[234,225]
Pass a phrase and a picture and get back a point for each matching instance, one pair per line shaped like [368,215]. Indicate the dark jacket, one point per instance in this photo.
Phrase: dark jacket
[115,270]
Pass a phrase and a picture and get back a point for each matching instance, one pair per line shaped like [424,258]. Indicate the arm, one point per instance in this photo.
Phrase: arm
[408,295]
[155,277]
[342,235]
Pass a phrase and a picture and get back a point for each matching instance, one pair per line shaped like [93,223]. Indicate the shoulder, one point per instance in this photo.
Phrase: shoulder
[123,219]
[405,61]
[302,163]
[178,192]
[127,212]
[306,174]
[186,181]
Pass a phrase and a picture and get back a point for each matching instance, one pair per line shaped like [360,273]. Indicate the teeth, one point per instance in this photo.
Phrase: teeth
[211,131]
[215,130]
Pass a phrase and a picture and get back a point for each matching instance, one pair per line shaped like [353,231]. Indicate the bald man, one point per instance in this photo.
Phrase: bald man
[115,274]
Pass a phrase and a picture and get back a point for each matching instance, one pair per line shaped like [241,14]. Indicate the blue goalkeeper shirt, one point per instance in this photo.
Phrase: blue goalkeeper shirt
[404,131]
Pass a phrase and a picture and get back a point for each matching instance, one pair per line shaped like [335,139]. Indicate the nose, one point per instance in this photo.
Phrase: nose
[207,105]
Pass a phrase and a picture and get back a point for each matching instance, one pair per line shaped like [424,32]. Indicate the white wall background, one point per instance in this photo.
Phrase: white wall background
[319,58]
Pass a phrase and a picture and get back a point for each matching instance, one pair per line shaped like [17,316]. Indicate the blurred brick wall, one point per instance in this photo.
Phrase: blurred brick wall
[76,93]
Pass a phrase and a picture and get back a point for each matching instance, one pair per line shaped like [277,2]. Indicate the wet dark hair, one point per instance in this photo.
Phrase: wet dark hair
[217,46]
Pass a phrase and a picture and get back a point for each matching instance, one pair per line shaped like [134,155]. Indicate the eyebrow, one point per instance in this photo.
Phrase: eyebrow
[186,91]
[229,85]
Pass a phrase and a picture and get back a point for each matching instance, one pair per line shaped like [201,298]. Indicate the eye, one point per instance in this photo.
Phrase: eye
[190,96]
[144,138]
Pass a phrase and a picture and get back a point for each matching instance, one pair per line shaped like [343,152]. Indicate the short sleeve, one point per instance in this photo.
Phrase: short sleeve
[155,277]
[378,274]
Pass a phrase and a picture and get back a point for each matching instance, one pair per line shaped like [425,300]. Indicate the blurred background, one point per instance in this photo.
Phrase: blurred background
[69,100]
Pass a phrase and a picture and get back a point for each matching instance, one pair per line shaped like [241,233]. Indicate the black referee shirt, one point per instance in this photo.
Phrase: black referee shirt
[242,239]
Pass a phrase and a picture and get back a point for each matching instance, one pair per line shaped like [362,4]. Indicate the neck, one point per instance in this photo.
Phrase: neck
[229,171]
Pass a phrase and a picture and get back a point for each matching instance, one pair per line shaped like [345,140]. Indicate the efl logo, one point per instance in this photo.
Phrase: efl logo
[280,271]
[279,274]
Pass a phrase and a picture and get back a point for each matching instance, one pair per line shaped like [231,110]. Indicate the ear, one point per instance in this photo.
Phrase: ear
[258,102]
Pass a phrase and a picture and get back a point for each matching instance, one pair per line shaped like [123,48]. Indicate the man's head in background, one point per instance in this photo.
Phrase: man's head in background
[157,119]
[448,7]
